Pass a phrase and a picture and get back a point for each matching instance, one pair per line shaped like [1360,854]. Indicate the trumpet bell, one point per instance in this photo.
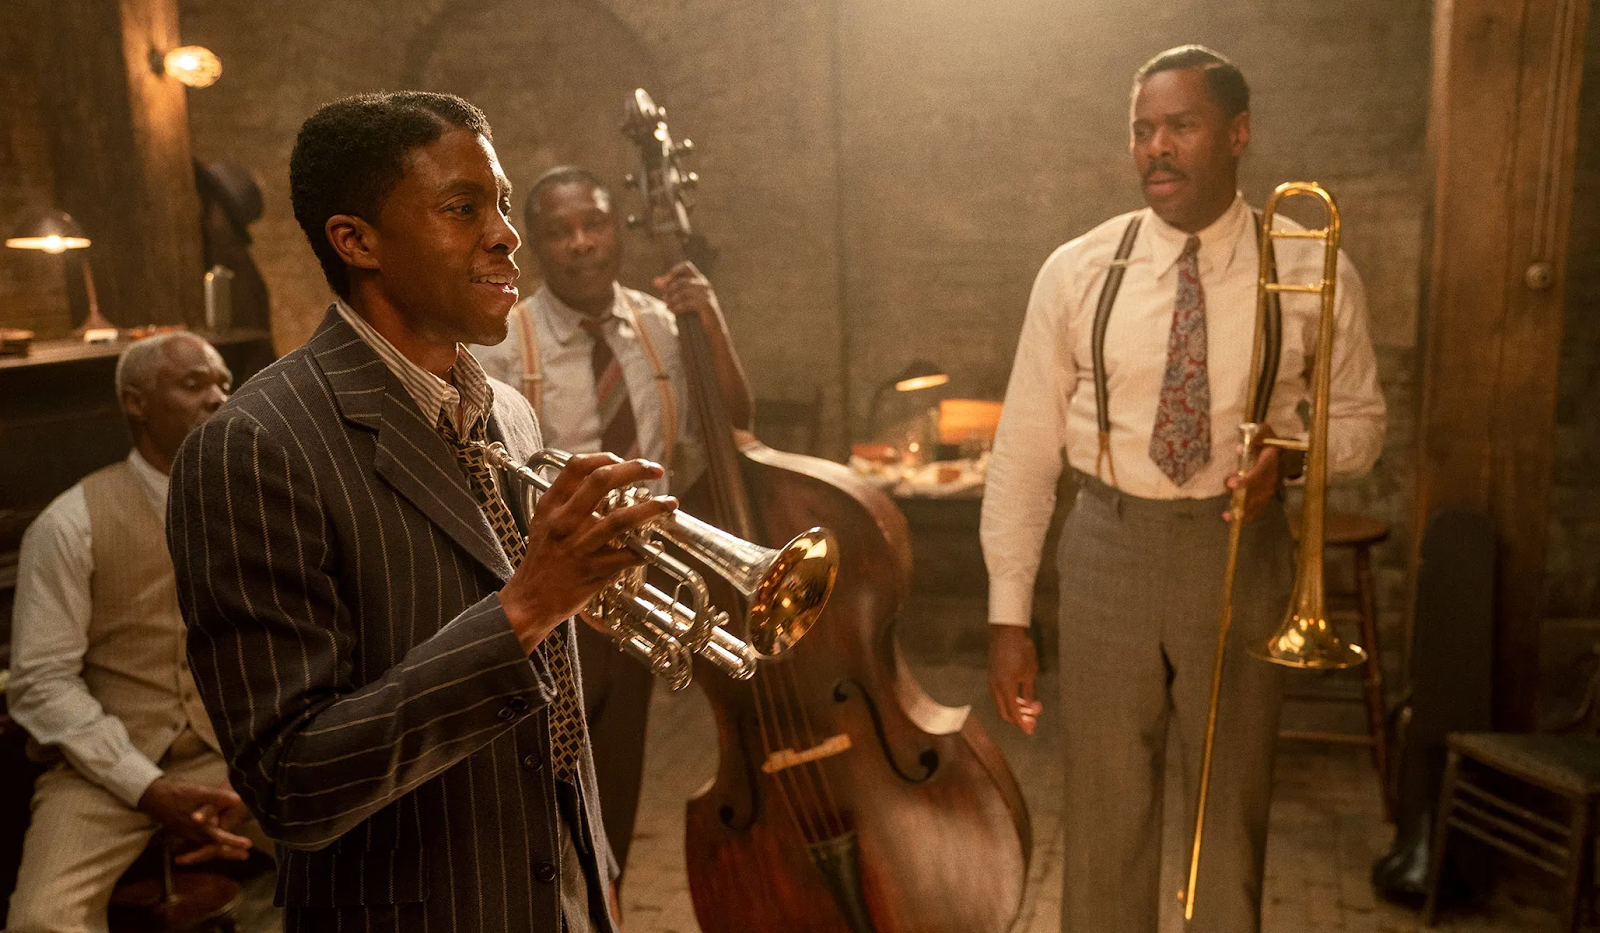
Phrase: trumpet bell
[792,591]
[1309,642]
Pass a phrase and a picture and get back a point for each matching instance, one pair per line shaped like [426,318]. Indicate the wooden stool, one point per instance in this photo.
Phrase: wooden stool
[1359,533]
[175,901]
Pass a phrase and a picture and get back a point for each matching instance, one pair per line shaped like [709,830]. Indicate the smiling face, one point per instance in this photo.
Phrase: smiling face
[575,239]
[441,244]
[1185,148]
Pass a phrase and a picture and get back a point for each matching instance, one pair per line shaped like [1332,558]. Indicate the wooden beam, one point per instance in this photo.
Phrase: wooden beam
[119,136]
[1503,127]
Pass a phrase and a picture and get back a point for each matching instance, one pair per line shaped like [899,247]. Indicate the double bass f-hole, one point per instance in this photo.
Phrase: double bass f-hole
[928,758]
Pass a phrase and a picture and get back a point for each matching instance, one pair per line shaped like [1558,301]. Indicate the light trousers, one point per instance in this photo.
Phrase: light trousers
[81,838]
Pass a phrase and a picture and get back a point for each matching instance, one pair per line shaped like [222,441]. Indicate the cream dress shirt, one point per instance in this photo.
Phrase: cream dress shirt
[1050,400]
[50,634]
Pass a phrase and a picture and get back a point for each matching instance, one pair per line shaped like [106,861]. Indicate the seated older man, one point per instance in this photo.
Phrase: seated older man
[98,673]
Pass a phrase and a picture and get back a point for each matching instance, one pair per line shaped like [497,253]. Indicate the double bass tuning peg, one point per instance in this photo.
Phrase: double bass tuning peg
[687,145]
[630,179]
[634,221]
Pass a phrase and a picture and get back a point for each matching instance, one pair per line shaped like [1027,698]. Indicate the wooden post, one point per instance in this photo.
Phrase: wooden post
[1504,134]
[119,138]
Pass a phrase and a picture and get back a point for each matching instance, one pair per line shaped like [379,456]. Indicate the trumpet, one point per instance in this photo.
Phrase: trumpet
[1304,639]
[786,588]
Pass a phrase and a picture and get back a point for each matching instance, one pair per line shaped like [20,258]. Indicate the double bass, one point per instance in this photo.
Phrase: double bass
[846,799]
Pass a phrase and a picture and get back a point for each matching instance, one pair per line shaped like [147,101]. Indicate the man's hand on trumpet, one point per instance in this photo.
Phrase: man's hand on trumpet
[571,550]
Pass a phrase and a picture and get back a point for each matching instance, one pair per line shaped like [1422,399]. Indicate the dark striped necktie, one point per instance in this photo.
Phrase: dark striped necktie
[618,432]
[566,719]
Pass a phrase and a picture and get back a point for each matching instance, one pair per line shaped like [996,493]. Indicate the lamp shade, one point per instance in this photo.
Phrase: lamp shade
[51,231]
[920,374]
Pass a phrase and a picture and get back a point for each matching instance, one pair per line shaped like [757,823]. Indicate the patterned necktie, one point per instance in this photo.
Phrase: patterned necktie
[566,720]
[1180,444]
[618,433]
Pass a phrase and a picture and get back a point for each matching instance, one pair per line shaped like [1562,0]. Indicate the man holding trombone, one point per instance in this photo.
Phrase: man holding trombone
[1135,359]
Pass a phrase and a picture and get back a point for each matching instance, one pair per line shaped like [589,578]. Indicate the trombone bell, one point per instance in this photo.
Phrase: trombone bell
[1308,641]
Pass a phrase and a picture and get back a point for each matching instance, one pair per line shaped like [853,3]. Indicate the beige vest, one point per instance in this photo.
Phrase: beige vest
[136,666]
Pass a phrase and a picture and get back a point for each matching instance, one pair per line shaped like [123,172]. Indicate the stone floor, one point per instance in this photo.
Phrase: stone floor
[1326,830]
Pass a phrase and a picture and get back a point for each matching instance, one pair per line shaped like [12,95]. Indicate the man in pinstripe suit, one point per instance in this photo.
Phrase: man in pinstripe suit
[392,678]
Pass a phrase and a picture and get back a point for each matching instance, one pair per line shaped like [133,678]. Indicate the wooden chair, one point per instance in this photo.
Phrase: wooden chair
[1492,782]
[1360,534]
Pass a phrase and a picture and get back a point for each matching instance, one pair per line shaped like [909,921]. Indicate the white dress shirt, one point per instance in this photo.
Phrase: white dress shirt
[47,695]
[1050,400]
[569,410]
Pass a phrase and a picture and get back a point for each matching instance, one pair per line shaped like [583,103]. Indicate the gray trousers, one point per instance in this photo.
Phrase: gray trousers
[1141,584]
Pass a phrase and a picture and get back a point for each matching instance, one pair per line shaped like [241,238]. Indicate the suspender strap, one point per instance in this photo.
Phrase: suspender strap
[532,367]
[1102,315]
[533,372]
[669,402]
[1272,347]
[1272,342]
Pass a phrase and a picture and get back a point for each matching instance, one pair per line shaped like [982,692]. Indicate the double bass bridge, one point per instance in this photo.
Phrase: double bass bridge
[786,758]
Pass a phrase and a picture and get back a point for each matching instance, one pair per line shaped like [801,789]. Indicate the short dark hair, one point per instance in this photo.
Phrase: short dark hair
[560,175]
[1223,77]
[351,153]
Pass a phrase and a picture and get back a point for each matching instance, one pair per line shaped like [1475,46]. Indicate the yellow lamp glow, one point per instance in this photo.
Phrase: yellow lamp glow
[194,65]
[921,382]
[55,232]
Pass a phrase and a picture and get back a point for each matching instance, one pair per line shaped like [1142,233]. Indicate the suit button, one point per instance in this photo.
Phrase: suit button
[532,762]
[507,713]
[545,872]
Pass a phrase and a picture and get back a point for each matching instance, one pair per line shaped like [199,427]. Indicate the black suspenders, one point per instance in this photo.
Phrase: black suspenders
[1272,346]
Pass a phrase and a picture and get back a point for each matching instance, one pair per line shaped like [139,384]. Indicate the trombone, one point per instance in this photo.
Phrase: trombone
[786,587]
[1304,639]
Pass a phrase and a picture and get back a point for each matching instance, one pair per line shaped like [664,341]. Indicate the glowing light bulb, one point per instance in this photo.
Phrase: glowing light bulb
[194,65]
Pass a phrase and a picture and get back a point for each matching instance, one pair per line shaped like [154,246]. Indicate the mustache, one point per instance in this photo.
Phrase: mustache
[1161,165]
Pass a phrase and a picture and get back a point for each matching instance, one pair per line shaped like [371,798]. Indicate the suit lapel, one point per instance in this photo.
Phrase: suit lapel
[410,455]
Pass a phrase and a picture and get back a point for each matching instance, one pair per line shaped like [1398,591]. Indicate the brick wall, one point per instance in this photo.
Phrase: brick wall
[32,284]
[907,179]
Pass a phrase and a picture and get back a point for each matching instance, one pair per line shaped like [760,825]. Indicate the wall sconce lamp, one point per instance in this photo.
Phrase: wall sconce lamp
[194,65]
[55,232]
[919,374]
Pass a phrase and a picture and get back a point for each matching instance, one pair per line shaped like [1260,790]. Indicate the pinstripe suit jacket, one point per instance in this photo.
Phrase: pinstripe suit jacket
[378,714]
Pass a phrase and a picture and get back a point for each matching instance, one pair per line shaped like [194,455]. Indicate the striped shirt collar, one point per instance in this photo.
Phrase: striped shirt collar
[465,403]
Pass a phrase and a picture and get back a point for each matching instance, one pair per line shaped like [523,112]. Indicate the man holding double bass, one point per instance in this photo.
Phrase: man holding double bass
[1134,359]
[601,365]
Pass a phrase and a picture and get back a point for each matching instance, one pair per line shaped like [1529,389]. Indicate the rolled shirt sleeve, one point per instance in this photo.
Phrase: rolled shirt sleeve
[47,695]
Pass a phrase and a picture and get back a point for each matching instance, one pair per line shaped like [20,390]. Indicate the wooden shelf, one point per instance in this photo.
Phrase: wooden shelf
[68,350]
